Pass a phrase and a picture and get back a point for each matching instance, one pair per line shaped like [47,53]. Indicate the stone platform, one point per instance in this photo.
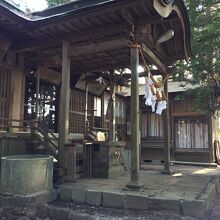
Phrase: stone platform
[190,191]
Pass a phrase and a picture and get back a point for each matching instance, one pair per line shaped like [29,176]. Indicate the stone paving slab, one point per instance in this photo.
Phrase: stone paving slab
[190,191]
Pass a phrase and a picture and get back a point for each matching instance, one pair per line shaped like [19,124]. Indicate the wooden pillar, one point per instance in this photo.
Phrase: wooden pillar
[71,163]
[103,109]
[37,93]
[166,132]
[112,114]
[135,130]
[86,108]
[64,105]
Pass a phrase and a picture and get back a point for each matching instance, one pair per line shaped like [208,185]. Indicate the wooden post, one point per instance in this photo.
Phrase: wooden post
[112,109]
[103,110]
[166,132]
[86,146]
[135,130]
[37,93]
[86,108]
[64,105]
[71,163]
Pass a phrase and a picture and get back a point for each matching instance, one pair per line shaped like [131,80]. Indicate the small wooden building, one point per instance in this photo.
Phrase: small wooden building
[193,132]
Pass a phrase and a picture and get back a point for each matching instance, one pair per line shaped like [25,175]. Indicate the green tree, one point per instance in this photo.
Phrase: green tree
[203,69]
[52,3]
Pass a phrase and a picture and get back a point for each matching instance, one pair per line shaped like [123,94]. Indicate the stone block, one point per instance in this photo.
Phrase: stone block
[161,204]
[209,195]
[77,216]
[66,194]
[113,200]
[193,208]
[46,197]
[79,196]
[52,212]
[31,211]
[93,197]
[15,201]
[137,202]
[23,201]
[10,216]
[42,210]
[23,218]
[58,213]
[142,202]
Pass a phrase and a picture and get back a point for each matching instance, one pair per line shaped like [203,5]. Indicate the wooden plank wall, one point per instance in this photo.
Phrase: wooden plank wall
[77,110]
[183,106]
[5,90]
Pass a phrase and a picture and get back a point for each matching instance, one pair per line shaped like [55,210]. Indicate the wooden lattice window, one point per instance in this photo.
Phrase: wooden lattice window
[77,110]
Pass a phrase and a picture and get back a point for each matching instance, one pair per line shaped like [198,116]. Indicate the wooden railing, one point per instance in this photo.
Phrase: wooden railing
[47,130]
[37,129]
[45,137]
[10,125]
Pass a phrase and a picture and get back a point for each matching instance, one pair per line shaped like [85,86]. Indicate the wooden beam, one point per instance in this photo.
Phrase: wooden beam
[154,59]
[156,72]
[93,48]
[127,16]
[96,32]
[98,47]
[73,37]
[5,43]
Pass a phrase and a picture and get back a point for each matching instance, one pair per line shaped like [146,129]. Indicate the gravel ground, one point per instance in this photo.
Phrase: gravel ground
[117,214]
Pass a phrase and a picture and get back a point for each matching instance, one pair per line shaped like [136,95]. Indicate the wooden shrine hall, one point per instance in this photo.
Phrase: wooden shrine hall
[90,39]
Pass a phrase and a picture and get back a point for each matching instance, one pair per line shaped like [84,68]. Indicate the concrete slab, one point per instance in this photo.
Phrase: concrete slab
[190,191]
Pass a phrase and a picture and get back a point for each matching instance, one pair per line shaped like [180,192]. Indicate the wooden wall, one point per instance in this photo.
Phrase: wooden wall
[17,92]
[11,88]
[5,95]
[181,108]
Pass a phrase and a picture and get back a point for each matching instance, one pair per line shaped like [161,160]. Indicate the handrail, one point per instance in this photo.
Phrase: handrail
[47,129]
[46,137]
[51,150]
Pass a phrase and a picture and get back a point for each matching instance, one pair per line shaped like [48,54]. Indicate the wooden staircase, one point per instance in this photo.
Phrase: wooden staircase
[46,138]
[49,144]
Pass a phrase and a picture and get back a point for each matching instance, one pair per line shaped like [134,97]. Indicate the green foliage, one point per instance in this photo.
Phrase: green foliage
[52,3]
[203,69]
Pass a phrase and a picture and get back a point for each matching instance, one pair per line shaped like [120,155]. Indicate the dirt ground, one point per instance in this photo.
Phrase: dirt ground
[117,214]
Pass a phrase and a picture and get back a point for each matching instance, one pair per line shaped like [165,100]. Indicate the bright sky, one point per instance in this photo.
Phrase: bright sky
[33,5]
